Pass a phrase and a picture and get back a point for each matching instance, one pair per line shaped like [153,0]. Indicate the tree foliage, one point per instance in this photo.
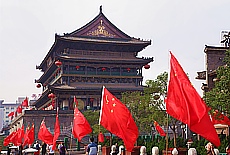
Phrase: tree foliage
[219,97]
[148,105]
[92,117]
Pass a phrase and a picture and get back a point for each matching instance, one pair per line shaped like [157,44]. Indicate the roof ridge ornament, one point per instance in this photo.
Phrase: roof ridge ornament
[101,9]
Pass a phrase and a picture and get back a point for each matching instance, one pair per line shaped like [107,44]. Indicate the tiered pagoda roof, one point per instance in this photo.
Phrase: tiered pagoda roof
[98,43]
[99,32]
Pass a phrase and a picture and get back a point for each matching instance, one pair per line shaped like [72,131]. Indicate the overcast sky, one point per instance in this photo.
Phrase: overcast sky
[28,27]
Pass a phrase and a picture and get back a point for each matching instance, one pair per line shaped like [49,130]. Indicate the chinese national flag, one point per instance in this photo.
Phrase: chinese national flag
[7,139]
[11,114]
[14,138]
[101,137]
[219,118]
[44,134]
[31,135]
[81,126]
[117,119]
[159,129]
[25,103]
[56,131]
[20,135]
[19,109]
[26,139]
[185,104]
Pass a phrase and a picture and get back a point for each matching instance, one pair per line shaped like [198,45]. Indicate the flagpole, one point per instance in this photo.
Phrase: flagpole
[167,118]
[71,137]
[167,124]
[99,128]
[101,103]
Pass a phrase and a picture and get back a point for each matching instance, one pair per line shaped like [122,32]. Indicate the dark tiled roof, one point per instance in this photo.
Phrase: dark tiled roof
[106,40]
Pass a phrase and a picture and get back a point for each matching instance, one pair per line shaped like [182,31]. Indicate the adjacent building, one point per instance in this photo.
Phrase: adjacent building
[5,110]
[214,59]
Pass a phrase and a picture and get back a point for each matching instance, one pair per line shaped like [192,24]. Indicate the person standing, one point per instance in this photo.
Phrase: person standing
[20,149]
[62,149]
[37,147]
[92,147]
[44,145]
[8,150]
[51,151]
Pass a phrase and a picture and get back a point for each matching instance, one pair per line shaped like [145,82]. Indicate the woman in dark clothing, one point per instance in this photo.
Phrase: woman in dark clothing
[62,149]
[44,148]
[8,150]
[20,150]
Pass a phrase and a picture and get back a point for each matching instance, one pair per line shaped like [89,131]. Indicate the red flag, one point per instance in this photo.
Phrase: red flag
[75,102]
[159,129]
[25,103]
[117,119]
[26,138]
[219,118]
[20,136]
[19,109]
[11,114]
[44,134]
[17,137]
[7,139]
[185,104]
[81,126]
[101,137]
[31,135]
[56,131]
[14,138]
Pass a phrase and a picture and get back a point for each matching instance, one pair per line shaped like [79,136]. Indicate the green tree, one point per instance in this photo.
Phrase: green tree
[148,105]
[92,117]
[219,97]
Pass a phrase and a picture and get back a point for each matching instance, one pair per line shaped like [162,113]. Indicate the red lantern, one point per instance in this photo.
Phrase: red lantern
[128,69]
[38,85]
[147,66]
[77,67]
[91,100]
[51,95]
[58,63]
[103,69]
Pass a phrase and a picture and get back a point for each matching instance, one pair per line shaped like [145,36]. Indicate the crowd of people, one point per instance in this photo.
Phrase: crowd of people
[45,149]
[94,149]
